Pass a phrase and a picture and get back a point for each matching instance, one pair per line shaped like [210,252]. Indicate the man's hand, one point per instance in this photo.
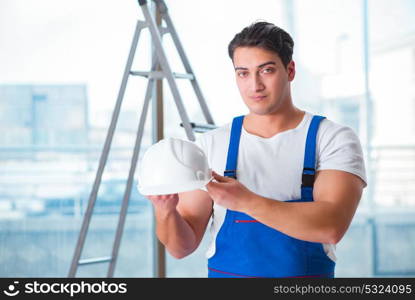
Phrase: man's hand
[229,193]
[164,203]
[181,220]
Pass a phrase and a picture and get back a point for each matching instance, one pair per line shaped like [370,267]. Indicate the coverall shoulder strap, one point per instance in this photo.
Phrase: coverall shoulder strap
[232,159]
[309,169]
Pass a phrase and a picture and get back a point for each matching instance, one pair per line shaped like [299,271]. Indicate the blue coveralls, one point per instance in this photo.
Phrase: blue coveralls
[248,248]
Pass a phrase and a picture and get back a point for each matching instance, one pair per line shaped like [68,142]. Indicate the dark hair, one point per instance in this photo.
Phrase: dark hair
[267,36]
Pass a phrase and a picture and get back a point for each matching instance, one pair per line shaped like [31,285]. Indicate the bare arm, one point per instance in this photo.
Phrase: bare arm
[336,197]
[181,220]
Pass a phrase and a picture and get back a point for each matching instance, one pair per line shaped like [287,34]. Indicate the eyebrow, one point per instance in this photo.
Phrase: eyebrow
[260,66]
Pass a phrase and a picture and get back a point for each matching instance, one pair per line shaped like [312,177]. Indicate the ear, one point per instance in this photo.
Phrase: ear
[291,70]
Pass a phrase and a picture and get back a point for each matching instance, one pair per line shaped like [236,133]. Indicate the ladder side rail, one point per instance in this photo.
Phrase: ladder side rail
[162,58]
[104,155]
[186,63]
[127,193]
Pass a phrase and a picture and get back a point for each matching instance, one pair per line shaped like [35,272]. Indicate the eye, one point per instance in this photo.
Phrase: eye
[242,74]
[267,70]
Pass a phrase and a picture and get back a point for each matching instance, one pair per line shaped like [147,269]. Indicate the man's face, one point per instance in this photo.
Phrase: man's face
[262,79]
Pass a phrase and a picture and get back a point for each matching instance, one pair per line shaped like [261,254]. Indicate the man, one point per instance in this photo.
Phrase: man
[292,181]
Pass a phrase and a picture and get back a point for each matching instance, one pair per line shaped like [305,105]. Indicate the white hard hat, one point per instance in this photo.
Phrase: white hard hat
[171,166]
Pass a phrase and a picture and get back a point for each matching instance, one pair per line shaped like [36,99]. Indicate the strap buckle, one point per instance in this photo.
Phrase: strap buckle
[230,173]
[308,177]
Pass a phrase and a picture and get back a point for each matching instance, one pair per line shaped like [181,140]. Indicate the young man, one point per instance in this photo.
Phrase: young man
[291,181]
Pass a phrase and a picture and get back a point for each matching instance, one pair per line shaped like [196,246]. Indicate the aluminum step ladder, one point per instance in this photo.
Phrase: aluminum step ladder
[160,69]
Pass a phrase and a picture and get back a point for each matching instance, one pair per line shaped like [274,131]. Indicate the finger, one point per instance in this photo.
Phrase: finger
[215,186]
[221,178]
[211,186]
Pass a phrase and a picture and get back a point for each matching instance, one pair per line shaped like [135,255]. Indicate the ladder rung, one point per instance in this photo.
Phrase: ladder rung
[95,260]
[163,30]
[183,76]
[159,75]
[201,127]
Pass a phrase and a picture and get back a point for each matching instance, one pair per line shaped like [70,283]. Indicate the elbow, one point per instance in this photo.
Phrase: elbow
[335,235]
[180,254]
[334,239]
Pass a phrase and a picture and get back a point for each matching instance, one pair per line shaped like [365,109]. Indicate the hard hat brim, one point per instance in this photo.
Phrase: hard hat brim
[173,189]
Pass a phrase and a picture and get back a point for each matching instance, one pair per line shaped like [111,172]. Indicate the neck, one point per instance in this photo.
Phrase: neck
[270,124]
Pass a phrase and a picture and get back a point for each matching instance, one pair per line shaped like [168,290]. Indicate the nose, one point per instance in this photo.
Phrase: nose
[257,84]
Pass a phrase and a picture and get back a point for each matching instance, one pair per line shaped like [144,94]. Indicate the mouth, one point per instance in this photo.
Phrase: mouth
[258,98]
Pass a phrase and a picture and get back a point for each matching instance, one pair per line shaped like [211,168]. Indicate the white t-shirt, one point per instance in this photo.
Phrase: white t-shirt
[272,167]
